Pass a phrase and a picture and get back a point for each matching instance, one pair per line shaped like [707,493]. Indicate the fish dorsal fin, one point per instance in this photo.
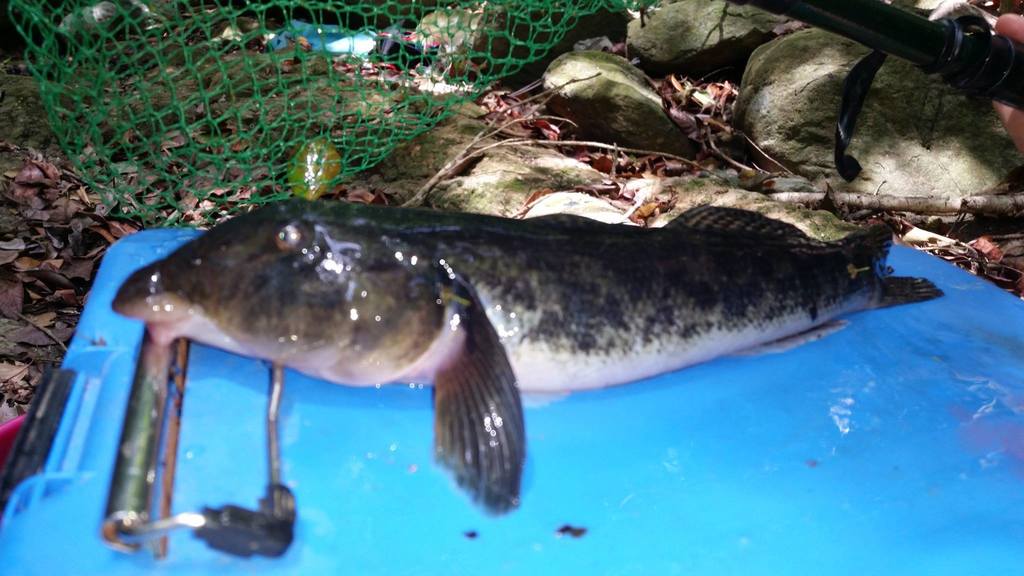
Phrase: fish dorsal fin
[722,219]
[478,416]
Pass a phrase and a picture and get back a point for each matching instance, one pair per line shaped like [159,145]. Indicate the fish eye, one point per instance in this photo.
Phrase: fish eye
[289,238]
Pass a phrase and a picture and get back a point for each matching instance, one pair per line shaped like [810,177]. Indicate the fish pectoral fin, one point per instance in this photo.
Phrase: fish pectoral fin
[478,417]
[799,339]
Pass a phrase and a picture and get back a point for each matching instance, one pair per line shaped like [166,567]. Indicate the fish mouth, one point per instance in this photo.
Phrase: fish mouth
[143,296]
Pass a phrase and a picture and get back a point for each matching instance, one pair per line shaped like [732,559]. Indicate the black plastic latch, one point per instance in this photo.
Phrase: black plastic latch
[244,532]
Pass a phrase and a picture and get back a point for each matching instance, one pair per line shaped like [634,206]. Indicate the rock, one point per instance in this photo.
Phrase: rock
[915,136]
[696,37]
[499,183]
[615,105]
[601,23]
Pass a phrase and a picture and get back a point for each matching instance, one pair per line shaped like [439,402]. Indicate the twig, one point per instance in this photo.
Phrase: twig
[723,156]
[769,158]
[46,331]
[992,205]
[604,146]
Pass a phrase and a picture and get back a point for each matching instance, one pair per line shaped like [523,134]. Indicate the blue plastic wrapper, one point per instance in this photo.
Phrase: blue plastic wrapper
[895,446]
[324,38]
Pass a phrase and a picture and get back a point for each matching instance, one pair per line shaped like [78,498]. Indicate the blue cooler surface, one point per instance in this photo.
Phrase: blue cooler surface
[895,446]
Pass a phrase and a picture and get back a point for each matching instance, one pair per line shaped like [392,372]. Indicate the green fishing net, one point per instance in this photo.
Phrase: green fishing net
[171,106]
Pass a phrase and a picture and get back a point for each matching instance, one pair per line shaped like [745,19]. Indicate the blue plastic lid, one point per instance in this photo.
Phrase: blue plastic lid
[895,446]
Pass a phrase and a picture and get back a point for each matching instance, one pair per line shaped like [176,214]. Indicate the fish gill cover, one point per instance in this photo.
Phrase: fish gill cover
[164,102]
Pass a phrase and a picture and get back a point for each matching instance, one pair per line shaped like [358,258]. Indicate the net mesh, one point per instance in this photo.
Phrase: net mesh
[164,105]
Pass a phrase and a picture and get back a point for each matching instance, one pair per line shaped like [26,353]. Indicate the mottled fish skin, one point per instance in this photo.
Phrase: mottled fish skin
[567,286]
[484,307]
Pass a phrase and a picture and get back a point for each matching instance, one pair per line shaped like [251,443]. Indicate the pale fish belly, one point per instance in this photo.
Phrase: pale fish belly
[540,368]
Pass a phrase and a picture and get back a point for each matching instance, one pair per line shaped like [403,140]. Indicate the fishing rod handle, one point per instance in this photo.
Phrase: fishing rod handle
[965,51]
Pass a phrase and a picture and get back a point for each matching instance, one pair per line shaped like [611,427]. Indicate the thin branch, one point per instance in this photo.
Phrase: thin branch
[722,155]
[604,146]
[992,205]
[46,331]
[765,154]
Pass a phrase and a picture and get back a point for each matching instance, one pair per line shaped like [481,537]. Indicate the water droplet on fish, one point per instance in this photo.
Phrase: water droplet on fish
[377,318]
[413,259]
[294,338]
[399,256]
[353,314]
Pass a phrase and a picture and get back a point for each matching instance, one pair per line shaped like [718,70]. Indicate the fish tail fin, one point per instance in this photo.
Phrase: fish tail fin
[868,249]
[898,290]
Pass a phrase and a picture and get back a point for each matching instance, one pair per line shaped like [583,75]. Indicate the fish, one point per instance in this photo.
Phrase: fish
[488,308]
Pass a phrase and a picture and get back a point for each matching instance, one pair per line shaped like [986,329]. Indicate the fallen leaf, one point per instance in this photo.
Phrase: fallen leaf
[34,336]
[64,209]
[644,211]
[26,263]
[359,196]
[32,174]
[16,244]
[987,248]
[12,296]
[43,320]
[686,122]
[80,268]
[102,232]
[7,257]
[121,229]
[10,372]
[50,279]
[604,164]
[174,139]
[68,296]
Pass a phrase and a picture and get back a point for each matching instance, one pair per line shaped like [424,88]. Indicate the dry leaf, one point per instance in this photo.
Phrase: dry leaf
[44,320]
[604,163]
[12,372]
[987,248]
[12,296]
[16,244]
[121,229]
[26,263]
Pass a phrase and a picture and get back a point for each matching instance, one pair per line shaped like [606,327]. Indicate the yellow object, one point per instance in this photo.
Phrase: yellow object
[853,271]
[313,169]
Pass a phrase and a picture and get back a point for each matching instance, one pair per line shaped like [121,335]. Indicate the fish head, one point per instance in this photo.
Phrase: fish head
[290,282]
